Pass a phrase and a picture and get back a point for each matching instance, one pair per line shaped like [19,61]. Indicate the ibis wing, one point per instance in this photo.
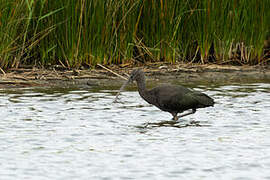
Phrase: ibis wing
[182,102]
[172,98]
[179,98]
[202,99]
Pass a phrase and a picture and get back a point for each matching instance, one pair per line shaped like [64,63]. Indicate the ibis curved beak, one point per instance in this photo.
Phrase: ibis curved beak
[122,88]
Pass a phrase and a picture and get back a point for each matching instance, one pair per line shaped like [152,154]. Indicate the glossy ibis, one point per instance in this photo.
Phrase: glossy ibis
[170,98]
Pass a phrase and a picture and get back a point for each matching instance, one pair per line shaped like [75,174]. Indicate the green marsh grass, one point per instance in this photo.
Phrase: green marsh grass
[86,32]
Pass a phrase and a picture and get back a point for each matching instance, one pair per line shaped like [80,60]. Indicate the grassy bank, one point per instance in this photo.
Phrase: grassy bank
[86,32]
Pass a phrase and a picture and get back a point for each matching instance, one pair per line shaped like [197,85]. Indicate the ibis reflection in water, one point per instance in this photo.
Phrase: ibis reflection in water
[170,98]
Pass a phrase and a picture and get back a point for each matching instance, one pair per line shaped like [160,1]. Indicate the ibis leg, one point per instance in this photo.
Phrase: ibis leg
[188,113]
[174,116]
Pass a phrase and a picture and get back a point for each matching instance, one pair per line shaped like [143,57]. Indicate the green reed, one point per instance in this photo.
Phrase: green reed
[86,32]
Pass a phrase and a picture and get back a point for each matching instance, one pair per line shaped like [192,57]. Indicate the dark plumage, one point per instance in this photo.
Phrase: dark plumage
[170,98]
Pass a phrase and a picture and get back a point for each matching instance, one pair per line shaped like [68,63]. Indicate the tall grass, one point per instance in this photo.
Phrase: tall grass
[86,32]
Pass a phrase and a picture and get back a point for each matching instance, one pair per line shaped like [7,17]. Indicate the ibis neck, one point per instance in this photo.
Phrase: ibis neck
[142,88]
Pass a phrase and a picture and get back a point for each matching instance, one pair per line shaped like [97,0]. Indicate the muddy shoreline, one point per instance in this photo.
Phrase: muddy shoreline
[111,75]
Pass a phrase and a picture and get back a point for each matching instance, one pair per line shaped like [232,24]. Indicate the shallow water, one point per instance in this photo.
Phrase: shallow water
[80,134]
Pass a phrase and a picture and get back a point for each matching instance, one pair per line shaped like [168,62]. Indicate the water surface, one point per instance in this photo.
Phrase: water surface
[79,133]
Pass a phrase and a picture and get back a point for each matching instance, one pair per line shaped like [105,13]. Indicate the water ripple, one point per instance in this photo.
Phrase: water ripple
[82,134]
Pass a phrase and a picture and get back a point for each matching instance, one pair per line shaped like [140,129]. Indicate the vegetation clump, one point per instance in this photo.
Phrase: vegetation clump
[73,33]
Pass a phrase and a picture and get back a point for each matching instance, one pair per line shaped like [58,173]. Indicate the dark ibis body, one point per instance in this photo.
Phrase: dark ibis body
[170,98]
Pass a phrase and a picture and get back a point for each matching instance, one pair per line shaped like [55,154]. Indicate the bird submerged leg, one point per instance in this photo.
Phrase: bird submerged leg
[182,115]
[174,116]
